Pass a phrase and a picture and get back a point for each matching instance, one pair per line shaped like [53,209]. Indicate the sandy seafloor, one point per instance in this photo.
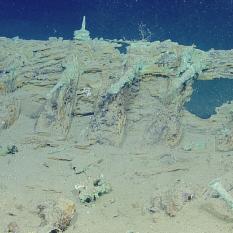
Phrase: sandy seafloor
[137,173]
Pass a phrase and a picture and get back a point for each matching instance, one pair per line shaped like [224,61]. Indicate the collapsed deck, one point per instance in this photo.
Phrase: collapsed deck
[108,91]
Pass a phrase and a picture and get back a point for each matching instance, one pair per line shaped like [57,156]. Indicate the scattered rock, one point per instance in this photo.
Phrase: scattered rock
[12,149]
[91,192]
[6,150]
[187,147]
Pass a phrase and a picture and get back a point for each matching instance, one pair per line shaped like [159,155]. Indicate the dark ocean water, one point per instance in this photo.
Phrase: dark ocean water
[206,23]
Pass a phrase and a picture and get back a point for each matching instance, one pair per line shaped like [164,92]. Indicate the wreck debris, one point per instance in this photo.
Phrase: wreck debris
[60,101]
[217,187]
[115,94]
[172,200]
[224,140]
[82,34]
[56,215]
[166,125]
[224,131]
[9,111]
[12,228]
[111,108]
